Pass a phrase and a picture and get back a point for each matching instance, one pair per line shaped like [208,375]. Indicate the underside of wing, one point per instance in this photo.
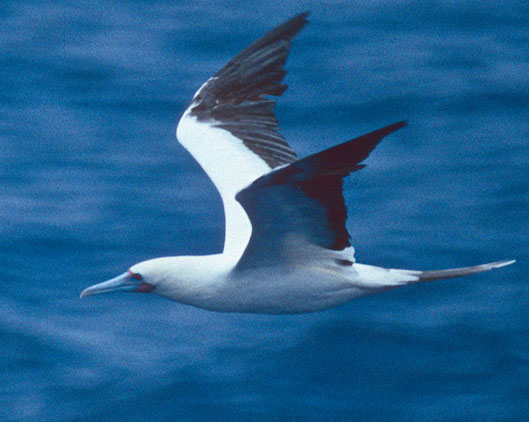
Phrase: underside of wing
[301,206]
[230,127]
[234,107]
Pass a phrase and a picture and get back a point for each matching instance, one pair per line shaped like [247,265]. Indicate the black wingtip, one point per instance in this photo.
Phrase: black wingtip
[347,157]
[285,31]
[361,147]
[391,128]
[292,26]
[302,15]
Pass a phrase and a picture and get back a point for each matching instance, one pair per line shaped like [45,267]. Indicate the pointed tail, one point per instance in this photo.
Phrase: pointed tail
[452,272]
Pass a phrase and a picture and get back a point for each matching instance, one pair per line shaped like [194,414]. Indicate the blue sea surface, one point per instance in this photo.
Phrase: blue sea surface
[93,181]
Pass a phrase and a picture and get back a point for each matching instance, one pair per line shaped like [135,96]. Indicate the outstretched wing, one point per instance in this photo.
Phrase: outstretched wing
[230,127]
[301,206]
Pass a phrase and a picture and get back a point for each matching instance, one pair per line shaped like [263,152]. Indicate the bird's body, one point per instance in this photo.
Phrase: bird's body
[286,248]
[210,282]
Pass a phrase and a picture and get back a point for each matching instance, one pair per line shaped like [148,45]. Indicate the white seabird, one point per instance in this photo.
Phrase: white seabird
[286,247]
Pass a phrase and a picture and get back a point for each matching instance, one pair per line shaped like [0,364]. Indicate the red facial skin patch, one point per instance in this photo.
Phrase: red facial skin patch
[144,288]
[135,276]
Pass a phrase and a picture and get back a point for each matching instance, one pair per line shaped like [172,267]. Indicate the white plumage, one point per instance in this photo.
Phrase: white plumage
[286,246]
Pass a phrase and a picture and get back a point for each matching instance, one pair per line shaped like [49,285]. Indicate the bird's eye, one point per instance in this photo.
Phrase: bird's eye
[135,276]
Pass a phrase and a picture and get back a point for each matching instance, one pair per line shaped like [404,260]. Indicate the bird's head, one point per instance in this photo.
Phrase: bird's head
[144,277]
[184,279]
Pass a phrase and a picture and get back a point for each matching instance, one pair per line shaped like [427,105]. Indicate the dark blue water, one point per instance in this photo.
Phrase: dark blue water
[93,180]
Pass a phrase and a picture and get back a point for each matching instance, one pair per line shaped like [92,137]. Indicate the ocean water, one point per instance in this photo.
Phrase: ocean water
[93,180]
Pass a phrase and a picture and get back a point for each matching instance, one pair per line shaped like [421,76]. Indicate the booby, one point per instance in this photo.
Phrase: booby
[287,248]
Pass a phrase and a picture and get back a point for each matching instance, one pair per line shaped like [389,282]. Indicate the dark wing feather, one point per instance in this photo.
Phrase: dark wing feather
[235,99]
[304,201]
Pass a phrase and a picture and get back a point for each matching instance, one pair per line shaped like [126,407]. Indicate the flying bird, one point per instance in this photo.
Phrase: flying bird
[286,247]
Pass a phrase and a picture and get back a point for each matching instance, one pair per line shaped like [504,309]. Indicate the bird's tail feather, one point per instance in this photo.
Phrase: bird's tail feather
[452,272]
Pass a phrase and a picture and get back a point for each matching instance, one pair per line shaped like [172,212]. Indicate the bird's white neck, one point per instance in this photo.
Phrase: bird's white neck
[192,280]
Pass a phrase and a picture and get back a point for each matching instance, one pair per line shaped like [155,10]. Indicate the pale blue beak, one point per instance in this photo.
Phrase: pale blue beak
[121,283]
